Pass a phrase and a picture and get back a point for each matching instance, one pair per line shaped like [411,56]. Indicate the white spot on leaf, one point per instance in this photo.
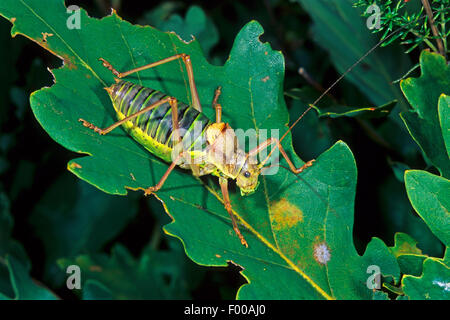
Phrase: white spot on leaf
[442,284]
[322,253]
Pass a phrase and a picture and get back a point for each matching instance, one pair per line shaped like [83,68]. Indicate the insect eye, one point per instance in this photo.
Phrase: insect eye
[247,174]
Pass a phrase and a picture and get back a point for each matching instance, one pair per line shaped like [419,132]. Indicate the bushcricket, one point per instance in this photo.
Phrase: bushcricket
[155,120]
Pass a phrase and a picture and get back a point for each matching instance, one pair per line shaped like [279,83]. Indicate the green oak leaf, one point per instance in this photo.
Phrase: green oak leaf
[404,244]
[299,228]
[425,94]
[155,275]
[409,257]
[23,286]
[399,216]
[430,196]
[444,119]
[433,284]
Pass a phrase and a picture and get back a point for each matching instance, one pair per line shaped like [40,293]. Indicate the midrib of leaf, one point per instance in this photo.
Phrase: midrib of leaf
[275,249]
[84,63]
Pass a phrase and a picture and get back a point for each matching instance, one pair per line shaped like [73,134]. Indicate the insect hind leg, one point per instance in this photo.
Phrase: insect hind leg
[185,58]
[118,123]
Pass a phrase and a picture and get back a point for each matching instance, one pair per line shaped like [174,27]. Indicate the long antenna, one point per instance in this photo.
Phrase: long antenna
[337,81]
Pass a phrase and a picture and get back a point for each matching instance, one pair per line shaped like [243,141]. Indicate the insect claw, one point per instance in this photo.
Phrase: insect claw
[306,165]
[244,243]
[147,191]
[92,127]
[108,65]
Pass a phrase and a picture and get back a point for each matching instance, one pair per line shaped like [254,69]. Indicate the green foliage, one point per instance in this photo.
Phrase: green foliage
[155,275]
[329,108]
[430,197]
[432,284]
[196,25]
[334,21]
[299,228]
[206,231]
[409,256]
[75,210]
[8,245]
[426,94]
[21,285]
[411,27]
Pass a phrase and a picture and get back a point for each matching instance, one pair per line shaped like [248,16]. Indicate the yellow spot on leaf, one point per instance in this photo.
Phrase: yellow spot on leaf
[285,215]
[75,165]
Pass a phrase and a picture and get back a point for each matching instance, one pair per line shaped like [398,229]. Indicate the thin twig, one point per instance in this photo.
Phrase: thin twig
[435,31]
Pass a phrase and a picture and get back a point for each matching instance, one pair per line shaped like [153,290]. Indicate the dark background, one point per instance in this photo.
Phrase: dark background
[33,167]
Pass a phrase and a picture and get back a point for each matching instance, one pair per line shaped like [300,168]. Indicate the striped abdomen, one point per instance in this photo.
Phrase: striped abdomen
[156,124]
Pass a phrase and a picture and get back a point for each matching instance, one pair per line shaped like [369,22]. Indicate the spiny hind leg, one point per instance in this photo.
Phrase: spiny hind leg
[187,62]
[177,155]
[118,123]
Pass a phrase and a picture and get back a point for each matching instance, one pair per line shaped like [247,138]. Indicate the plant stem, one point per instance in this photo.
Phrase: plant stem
[443,31]
[428,42]
[435,31]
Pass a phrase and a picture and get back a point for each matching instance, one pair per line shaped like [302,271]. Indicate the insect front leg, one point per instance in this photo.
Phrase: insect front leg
[227,203]
[217,106]
[187,62]
[277,143]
